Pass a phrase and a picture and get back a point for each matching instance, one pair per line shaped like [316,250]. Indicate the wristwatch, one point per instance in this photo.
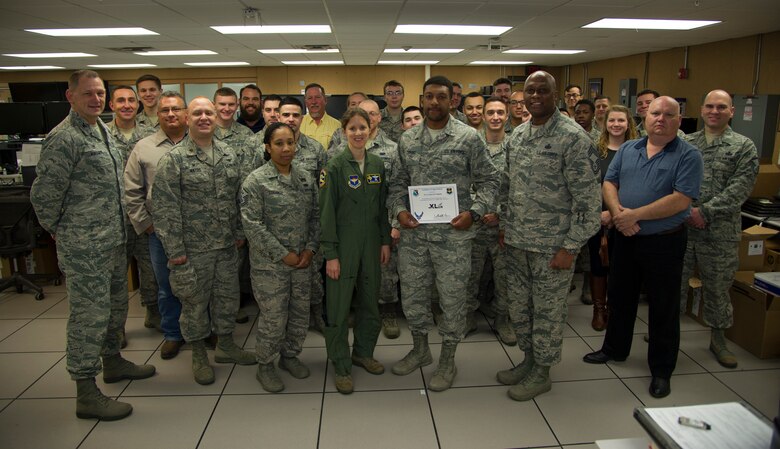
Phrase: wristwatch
[572,252]
[474,216]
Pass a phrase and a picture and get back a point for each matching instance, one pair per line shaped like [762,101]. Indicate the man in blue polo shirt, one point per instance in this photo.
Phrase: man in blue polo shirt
[651,183]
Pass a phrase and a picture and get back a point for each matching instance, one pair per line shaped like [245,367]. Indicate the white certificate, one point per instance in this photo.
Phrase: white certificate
[434,203]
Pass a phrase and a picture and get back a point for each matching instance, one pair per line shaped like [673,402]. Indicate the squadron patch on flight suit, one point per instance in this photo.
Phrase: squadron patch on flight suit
[323,176]
[354,181]
[374,179]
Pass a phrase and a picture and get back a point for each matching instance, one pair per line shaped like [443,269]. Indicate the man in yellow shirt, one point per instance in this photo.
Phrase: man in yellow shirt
[317,124]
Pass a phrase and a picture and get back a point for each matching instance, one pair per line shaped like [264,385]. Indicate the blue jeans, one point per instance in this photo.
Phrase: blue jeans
[169,305]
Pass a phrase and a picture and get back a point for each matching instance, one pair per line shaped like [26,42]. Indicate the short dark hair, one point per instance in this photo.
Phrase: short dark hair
[291,100]
[352,113]
[472,95]
[310,85]
[148,77]
[392,83]
[410,109]
[602,97]
[438,80]
[587,103]
[250,86]
[572,86]
[75,77]
[225,92]
[456,84]
[494,99]
[502,81]
[272,97]
[648,91]
[120,87]
[269,134]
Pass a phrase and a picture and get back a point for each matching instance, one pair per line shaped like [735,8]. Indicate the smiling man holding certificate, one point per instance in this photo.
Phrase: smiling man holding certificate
[439,162]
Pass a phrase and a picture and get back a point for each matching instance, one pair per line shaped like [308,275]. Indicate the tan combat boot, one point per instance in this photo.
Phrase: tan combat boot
[115,368]
[92,403]
[228,352]
[445,372]
[419,356]
[201,370]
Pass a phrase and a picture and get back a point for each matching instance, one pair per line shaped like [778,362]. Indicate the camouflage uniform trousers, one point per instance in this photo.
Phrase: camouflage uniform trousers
[97,297]
[388,293]
[537,303]
[317,288]
[214,305]
[138,246]
[283,296]
[717,262]
[244,269]
[484,249]
[425,266]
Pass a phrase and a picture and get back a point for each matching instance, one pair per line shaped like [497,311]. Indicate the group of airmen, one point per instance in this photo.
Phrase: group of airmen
[164,186]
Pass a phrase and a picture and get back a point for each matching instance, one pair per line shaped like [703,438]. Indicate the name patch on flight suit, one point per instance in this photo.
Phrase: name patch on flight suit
[354,181]
[373,179]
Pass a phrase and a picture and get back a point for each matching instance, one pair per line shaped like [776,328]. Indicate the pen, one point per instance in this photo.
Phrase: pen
[695,423]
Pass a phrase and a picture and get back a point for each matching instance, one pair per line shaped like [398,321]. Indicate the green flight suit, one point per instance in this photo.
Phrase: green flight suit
[353,223]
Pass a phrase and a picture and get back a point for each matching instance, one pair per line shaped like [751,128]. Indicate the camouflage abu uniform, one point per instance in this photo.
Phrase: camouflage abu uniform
[730,168]
[137,244]
[387,150]
[244,143]
[78,199]
[280,214]
[392,125]
[311,157]
[196,215]
[437,254]
[146,121]
[485,245]
[551,199]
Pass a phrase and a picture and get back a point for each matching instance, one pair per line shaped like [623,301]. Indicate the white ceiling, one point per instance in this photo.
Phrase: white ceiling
[362,29]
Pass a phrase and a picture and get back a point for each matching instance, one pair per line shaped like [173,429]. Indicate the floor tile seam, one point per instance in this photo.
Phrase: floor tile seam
[546,421]
[770,418]
[430,407]
[322,406]
[17,330]
[41,376]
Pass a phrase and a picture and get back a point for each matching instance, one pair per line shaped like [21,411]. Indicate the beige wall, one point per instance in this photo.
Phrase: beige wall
[726,64]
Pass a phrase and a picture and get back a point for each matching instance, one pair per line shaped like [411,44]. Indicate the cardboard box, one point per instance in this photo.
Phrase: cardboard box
[752,248]
[756,325]
[772,259]
[694,306]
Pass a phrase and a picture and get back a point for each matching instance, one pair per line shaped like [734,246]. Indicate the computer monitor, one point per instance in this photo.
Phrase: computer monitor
[22,118]
[54,112]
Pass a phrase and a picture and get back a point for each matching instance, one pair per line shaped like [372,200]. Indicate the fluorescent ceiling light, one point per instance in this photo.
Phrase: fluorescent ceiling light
[408,62]
[290,51]
[466,30]
[49,55]
[650,24]
[272,29]
[544,52]
[313,62]
[216,64]
[33,67]
[70,32]
[500,62]
[120,66]
[423,50]
[176,53]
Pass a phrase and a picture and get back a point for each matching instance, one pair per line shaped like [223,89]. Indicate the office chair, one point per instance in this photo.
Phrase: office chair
[19,233]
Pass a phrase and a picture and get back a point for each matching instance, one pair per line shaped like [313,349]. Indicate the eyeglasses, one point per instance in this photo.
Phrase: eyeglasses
[572,95]
[394,93]
[166,111]
[516,102]
[374,114]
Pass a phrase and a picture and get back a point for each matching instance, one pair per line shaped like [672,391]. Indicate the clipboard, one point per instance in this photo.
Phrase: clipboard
[666,434]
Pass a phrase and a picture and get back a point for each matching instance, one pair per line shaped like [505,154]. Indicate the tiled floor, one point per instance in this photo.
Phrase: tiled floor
[587,402]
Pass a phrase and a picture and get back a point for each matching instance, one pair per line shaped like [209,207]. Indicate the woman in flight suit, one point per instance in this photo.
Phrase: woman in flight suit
[355,239]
